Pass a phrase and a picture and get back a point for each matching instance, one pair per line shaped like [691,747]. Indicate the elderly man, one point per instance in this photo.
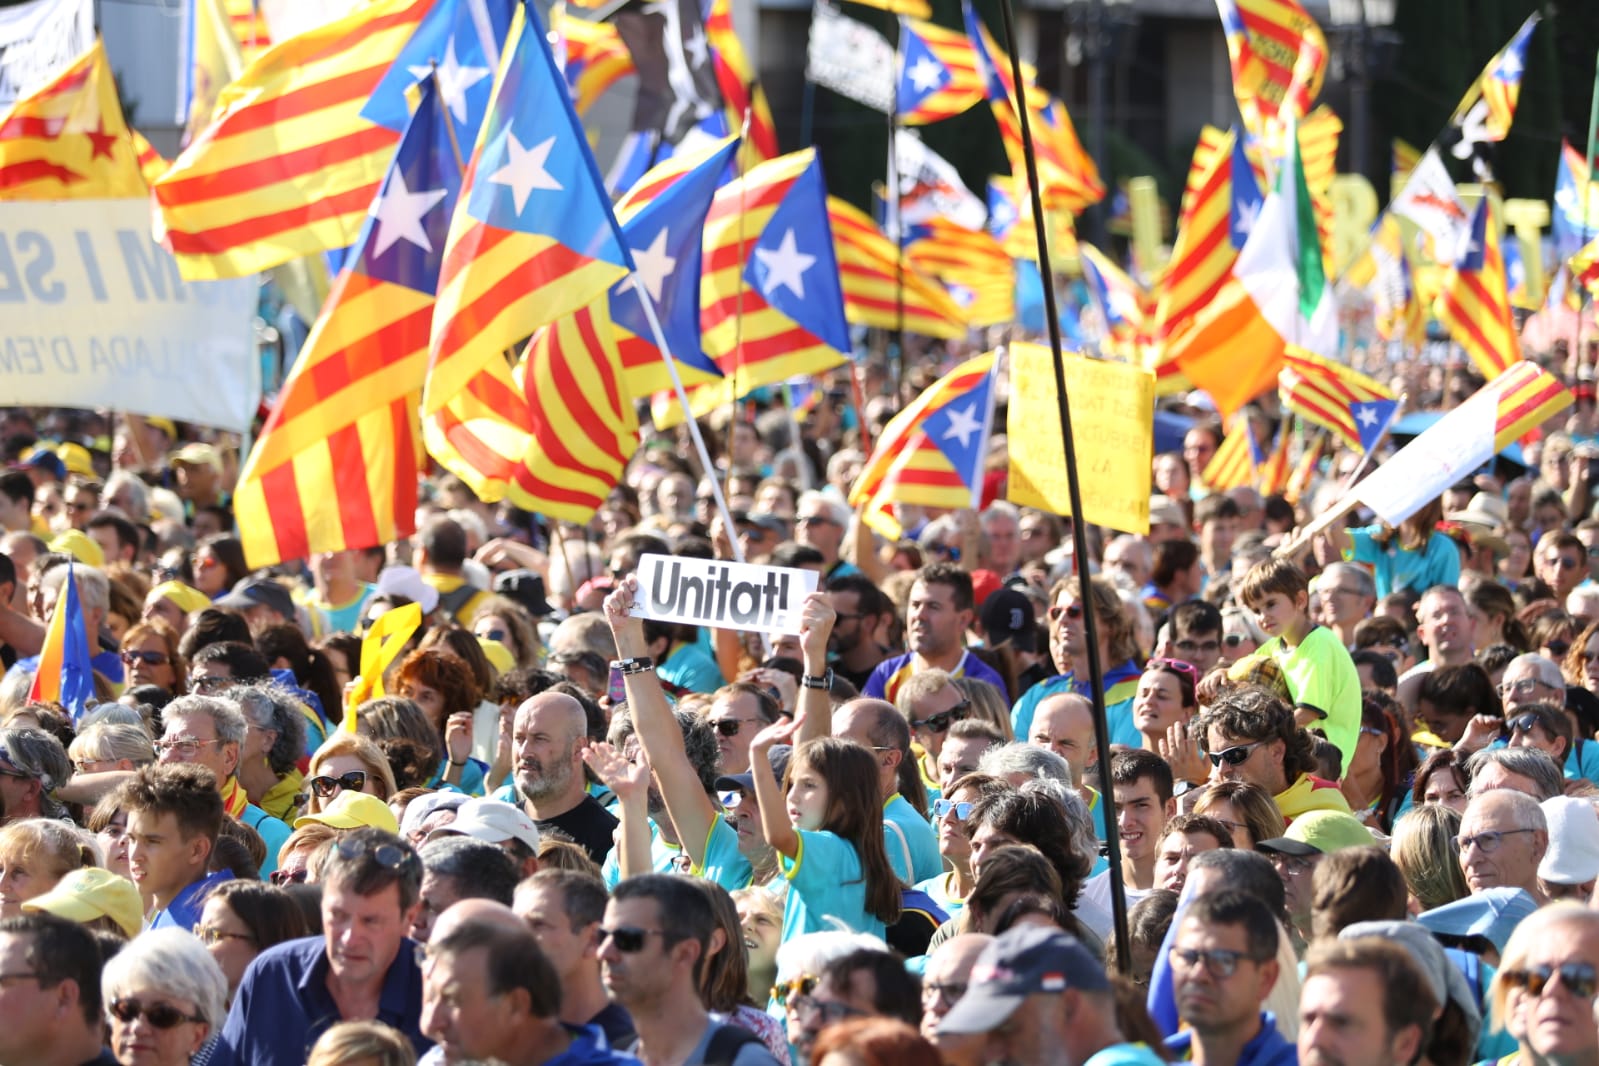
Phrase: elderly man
[1503,837]
[948,975]
[1531,678]
[1525,770]
[1348,595]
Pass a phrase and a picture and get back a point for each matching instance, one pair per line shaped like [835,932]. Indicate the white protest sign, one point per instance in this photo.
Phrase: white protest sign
[38,40]
[1449,450]
[850,58]
[94,314]
[709,592]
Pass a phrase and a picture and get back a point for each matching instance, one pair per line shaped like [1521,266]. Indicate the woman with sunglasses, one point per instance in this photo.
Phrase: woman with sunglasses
[951,812]
[241,919]
[164,998]
[1543,995]
[1377,784]
[347,762]
[150,656]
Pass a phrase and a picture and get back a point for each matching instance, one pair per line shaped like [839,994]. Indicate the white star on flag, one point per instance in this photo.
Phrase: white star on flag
[453,79]
[1367,417]
[524,169]
[925,74]
[963,423]
[1248,214]
[653,265]
[400,213]
[785,266]
[1510,69]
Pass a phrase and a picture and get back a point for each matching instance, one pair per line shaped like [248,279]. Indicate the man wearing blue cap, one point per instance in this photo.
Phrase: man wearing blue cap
[1037,996]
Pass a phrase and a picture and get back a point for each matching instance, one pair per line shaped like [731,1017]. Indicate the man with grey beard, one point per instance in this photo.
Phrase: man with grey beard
[547,742]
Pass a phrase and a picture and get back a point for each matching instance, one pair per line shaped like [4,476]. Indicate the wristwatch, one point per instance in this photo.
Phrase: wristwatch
[641,664]
[823,682]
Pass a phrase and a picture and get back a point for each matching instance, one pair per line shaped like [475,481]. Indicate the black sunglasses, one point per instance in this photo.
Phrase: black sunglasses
[290,877]
[1236,755]
[940,722]
[389,856]
[1579,979]
[728,727]
[629,939]
[325,786]
[160,1015]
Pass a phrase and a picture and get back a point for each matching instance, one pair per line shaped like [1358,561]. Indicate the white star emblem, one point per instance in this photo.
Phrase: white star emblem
[1511,68]
[400,213]
[653,265]
[454,80]
[785,266]
[1367,417]
[925,74]
[1248,214]
[524,170]
[963,423]
[695,48]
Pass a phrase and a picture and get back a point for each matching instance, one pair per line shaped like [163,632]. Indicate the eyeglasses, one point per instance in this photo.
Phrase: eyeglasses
[325,786]
[1525,723]
[494,634]
[1565,562]
[729,727]
[1073,611]
[730,799]
[1369,731]
[1521,688]
[949,551]
[948,991]
[814,520]
[389,856]
[1487,842]
[160,1015]
[828,1011]
[1184,668]
[291,877]
[209,935]
[940,722]
[1189,647]
[188,747]
[1293,864]
[1219,963]
[1236,755]
[209,684]
[1346,592]
[942,807]
[797,988]
[1578,978]
[629,939]
[148,658]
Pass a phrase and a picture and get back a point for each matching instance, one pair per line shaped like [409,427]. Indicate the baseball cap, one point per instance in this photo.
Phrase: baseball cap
[1021,962]
[406,581]
[198,453]
[186,597]
[418,810]
[1449,984]
[259,592]
[1320,833]
[767,521]
[1008,618]
[984,584]
[353,810]
[79,545]
[1573,855]
[77,458]
[1164,511]
[43,458]
[493,822]
[1492,914]
[84,895]
[777,755]
[524,587]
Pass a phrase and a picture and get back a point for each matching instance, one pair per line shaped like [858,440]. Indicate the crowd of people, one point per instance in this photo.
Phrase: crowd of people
[1351,778]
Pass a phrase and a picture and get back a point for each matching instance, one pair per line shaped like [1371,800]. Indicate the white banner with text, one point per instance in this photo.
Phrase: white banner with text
[723,595]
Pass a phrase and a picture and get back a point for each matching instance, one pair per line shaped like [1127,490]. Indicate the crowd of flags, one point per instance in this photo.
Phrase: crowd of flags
[499,306]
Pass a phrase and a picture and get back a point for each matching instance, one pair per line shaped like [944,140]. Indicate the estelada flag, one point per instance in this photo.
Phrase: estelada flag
[67,140]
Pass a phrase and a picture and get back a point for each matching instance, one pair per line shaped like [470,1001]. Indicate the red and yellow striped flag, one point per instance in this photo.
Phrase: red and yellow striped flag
[593,56]
[152,164]
[1271,477]
[288,166]
[1474,304]
[1202,254]
[1323,392]
[67,140]
[249,26]
[881,288]
[741,92]
[1279,59]
[1233,465]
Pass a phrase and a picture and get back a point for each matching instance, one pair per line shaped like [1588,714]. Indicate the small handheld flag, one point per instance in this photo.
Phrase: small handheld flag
[64,675]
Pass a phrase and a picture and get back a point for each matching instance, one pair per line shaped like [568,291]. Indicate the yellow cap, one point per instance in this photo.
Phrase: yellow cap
[185,596]
[498,655]
[163,424]
[77,459]
[90,893]
[353,810]
[79,545]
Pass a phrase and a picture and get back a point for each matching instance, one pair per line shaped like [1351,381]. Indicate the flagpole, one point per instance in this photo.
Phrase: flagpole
[738,322]
[1096,672]
[896,206]
[1587,188]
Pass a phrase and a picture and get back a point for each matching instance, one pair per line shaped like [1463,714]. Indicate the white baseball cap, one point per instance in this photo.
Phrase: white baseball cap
[1573,855]
[493,822]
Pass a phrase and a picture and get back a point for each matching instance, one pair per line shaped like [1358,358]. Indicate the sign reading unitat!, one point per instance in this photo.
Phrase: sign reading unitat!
[709,592]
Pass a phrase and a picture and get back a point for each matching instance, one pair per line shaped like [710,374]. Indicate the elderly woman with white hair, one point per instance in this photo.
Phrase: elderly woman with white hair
[165,996]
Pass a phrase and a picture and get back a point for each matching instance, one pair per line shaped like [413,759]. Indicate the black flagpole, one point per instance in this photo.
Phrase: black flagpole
[1096,672]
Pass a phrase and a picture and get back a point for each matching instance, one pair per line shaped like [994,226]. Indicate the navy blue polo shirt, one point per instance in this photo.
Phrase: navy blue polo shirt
[283,1005]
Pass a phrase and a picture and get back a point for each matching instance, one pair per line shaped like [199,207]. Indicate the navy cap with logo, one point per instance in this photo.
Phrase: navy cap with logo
[1008,616]
[1024,961]
[259,592]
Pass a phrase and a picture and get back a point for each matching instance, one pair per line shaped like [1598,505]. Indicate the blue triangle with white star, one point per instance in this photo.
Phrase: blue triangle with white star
[1371,420]
[463,40]
[402,241]
[1471,255]
[664,239]
[921,73]
[792,264]
[959,429]
[1247,199]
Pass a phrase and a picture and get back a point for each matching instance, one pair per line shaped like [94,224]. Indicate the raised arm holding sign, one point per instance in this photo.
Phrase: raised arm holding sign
[711,592]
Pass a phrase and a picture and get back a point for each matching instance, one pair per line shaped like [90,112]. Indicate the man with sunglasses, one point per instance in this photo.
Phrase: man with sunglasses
[820,522]
[1224,965]
[948,975]
[1561,562]
[362,967]
[931,703]
[863,615]
[1250,735]
[1118,647]
[652,946]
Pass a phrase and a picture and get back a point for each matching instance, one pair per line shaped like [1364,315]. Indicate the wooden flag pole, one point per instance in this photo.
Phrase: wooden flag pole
[1096,670]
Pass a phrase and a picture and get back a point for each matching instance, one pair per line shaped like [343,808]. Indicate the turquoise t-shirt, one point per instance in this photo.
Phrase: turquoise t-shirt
[825,881]
[939,889]
[472,775]
[273,832]
[1396,569]
[919,838]
[1582,761]
[664,858]
[724,863]
[692,668]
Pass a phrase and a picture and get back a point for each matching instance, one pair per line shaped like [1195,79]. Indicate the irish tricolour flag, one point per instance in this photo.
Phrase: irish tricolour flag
[1279,295]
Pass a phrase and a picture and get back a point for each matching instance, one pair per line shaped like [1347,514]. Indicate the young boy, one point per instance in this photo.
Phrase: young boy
[1321,676]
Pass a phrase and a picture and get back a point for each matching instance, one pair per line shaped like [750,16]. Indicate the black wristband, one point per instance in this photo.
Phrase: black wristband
[824,682]
[641,664]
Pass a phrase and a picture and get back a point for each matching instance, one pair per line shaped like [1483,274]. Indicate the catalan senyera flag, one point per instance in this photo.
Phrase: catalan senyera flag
[1118,298]
[152,164]
[1233,465]
[1279,59]
[881,287]
[64,674]
[1271,476]
[533,237]
[932,452]
[916,8]
[248,25]
[1305,469]
[1489,106]
[288,164]
[973,266]
[67,140]
[1203,251]
[938,75]
[1474,304]
[1576,203]
[592,55]
[337,463]
[741,92]
[771,301]
[1585,266]
[1336,397]
[1500,413]
[554,435]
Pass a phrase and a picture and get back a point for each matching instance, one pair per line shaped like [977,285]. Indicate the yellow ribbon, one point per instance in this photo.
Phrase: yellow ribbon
[379,648]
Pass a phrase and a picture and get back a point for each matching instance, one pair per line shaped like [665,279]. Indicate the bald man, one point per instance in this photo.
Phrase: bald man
[547,742]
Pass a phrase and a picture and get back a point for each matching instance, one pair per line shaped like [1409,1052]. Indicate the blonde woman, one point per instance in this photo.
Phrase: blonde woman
[35,854]
[1422,848]
[347,761]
